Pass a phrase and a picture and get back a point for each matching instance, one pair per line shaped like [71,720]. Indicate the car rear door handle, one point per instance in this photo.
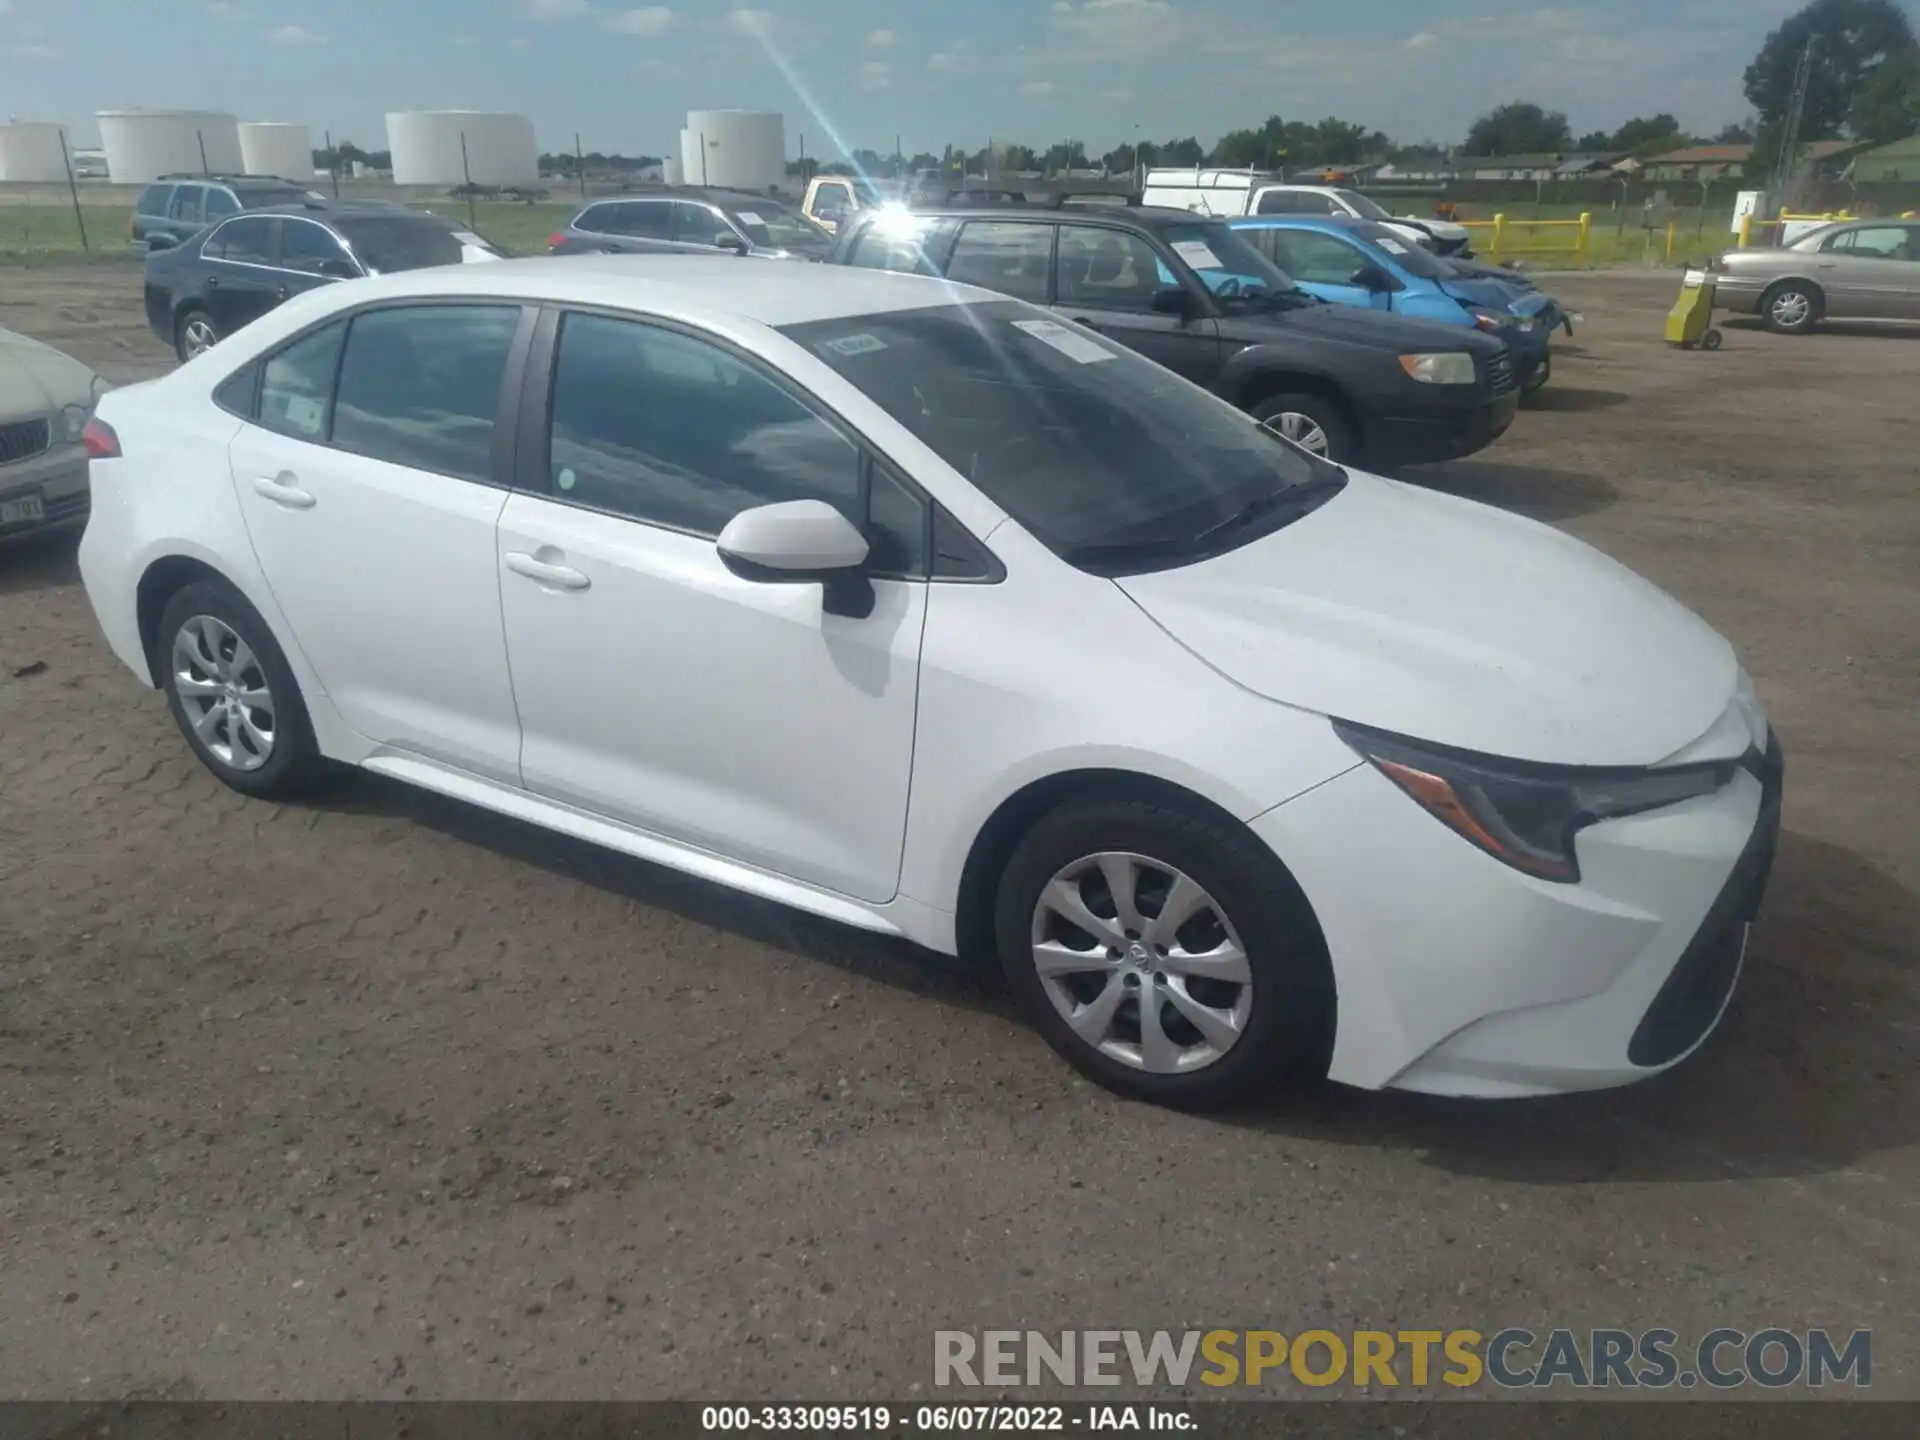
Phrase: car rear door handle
[282,491]
[545,572]
[213,282]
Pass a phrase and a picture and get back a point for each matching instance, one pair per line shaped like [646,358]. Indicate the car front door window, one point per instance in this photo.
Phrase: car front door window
[1106,269]
[311,249]
[1008,256]
[1315,259]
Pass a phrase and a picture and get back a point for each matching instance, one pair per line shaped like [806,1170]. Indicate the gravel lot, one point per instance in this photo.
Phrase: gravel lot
[388,1098]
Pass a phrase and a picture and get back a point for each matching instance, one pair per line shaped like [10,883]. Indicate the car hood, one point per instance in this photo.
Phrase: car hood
[1453,622]
[1355,325]
[1501,295]
[36,378]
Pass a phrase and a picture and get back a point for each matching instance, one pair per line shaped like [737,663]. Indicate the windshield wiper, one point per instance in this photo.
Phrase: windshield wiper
[1305,496]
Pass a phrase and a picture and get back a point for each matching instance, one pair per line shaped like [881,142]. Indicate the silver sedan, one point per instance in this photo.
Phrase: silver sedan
[46,400]
[1852,270]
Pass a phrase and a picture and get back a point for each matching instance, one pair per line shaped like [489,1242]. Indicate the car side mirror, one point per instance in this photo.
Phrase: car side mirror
[1173,300]
[727,240]
[337,269]
[795,541]
[1371,277]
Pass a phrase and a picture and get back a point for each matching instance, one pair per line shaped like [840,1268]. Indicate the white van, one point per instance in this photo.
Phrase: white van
[1249,192]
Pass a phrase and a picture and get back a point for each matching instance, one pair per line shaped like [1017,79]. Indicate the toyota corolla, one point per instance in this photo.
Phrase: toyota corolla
[913,606]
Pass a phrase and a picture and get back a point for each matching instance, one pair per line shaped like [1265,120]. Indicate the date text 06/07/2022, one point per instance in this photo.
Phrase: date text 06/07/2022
[946,1417]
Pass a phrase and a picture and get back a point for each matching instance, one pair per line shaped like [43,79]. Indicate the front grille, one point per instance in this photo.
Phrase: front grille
[1500,373]
[24,439]
[1697,989]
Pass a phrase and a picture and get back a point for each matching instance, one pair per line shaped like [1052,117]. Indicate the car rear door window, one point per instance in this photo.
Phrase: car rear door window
[1104,269]
[1315,258]
[155,200]
[305,246]
[420,386]
[1008,256]
[645,219]
[697,225]
[665,428]
[189,205]
[904,244]
[246,241]
[296,385]
[220,202]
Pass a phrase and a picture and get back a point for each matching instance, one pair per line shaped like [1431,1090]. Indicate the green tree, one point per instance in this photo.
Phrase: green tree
[1519,127]
[1594,140]
[1644,132]
[1119,159]
[1179,152]
[1065,155]
[1888,105]
[1734,134]
[1852,40]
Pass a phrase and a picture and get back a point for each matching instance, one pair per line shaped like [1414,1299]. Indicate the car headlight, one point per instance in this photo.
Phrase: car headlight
[1449,367]
[1525,814]
[73,421]
[1494,323]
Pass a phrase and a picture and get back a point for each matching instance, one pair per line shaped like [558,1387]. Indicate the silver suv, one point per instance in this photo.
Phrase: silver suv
[176,206]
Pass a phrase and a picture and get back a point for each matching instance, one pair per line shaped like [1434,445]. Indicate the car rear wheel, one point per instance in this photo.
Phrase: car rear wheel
[1163,954]
[1792,308]
[1312,422]
[232,694]
[195,335]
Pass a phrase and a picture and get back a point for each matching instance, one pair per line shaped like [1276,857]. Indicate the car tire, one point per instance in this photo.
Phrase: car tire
[1791,307]
[1269,1015]
[194,334]
[1317,423]
[1537,381]
[233,695]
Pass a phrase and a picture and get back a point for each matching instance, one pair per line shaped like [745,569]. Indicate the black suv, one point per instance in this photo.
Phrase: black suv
[693,220]
[176,206]
[1186,291]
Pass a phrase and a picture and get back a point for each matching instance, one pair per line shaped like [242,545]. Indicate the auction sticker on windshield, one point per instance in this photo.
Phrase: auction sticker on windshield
[747,217]
[1196,254]
[1069,343]
[854,344]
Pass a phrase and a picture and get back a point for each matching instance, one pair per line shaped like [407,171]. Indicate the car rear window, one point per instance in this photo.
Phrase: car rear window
[403,242]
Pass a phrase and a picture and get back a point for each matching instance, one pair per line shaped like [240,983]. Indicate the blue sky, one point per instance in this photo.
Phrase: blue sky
[1030,70]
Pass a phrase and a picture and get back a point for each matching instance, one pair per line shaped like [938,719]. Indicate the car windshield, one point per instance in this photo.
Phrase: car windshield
[1363,207]
[1233,270]
[1407,255]
[385,243]
[1115,464]
[773,226]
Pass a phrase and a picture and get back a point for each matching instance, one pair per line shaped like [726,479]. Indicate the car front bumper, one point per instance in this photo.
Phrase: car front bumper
[1438,432]
[1738,294]
[56,478]
[1458,975]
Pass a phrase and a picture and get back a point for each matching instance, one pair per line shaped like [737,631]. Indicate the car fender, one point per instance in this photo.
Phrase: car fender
[1259,369]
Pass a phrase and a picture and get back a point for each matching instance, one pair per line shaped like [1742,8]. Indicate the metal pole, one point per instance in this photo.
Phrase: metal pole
[73,189]
[467,172]
[580,160]
[200,135]
[703,157]
[333,162]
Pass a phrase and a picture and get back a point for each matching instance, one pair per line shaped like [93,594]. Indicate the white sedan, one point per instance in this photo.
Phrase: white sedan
[908,605]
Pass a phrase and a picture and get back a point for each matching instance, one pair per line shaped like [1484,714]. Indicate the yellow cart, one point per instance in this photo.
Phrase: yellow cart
[1690,322]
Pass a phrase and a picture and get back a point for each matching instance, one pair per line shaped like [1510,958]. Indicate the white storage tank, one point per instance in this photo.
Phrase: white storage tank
[33,150]
[143,145]
[740,149]
[500,149]
[673,170]
[270,148]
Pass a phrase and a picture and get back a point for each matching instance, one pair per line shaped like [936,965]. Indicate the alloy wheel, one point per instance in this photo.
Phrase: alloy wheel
[225,693]
[1303,430]
[198,337]
[1142,963]
[1791,309]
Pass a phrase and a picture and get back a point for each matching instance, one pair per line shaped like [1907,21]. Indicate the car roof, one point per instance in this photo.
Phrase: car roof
[1146,216]
[1351,224]
[767,292]
[688,192]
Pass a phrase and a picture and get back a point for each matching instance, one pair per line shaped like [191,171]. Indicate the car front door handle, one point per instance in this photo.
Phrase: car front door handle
[283,492]
[213,282]
[545,572]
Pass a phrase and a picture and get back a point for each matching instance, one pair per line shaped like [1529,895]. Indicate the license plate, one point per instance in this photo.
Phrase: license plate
[27,507]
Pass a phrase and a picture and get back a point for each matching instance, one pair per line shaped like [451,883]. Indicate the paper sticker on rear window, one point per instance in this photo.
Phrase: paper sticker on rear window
[1068,342]
[854,344]
[1196,254]
[1388,243]
[747,217]
[305,414]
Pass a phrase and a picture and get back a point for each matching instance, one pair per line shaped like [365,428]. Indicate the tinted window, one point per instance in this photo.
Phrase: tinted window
[598,219]
[658,426]
[236,394]
[1083,442]
[697,225]
[644,219]
[296,386]
[1218,255]
[187,204]
[154,200]
[219,203]
[401,242]
[1314,258]
[305,245]
[1005,256]
[420,386]
[248,241]
[1108,269]
[1873,242]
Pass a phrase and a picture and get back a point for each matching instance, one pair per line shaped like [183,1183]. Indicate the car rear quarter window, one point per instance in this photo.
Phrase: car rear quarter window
[220,202]
[296,385]
[420,386]
[154,200]
[1004,255]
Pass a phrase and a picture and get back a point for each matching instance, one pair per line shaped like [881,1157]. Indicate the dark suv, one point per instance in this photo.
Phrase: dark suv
[692,221]
[176,206]
[1186,291]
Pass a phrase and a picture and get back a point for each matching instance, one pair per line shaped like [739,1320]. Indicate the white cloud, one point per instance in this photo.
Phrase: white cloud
[1106,28]
[752,23]
[218,9]
[293,35]
[557,9]
[882,40]
[959,58]
[876,75]
[1420,40]
[647,20]
[1037,87]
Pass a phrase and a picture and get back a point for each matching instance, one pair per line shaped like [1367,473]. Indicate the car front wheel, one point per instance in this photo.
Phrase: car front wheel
[1163,954]
[1312,422]
[195,335]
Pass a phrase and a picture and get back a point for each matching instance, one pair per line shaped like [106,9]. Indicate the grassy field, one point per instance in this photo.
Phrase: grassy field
[523,229]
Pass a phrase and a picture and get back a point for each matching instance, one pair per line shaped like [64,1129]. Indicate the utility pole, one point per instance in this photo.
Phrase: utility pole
[1785,162]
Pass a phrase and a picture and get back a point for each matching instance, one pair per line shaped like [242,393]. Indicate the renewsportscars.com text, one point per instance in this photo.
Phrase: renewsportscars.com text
[1514,1358]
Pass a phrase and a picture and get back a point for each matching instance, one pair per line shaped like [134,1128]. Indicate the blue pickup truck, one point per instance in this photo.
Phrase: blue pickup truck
[1361,263]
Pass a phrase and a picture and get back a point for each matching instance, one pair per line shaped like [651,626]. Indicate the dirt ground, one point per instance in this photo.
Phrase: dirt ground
[388,1098]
